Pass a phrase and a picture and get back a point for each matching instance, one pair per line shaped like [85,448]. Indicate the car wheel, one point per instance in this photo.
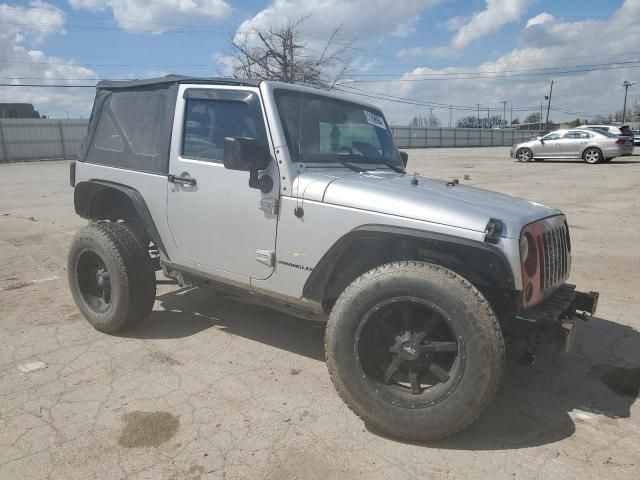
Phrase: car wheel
[414,350]
[524,155]
[592,156]
[110,276]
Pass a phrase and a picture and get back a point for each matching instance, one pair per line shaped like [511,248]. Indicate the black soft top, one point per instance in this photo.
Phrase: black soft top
[131,121]
[175,79]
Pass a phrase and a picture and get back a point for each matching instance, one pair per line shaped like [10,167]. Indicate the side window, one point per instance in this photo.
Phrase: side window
[208,122]
[553,136]
[572,135]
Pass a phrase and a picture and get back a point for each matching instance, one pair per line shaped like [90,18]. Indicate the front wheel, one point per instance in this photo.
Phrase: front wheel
[415,350]
[524,155]
[592,156]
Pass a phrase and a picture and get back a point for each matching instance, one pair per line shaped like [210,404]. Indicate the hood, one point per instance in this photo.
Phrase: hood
[430,200]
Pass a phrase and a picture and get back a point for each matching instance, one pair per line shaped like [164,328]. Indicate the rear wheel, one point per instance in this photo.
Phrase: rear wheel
[414,350]
[592,156]
[110,276]
[524,155]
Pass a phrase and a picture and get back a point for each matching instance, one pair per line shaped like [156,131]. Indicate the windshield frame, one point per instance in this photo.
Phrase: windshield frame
[356,157]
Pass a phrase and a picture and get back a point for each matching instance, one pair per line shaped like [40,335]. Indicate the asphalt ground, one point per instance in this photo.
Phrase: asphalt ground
[210,388]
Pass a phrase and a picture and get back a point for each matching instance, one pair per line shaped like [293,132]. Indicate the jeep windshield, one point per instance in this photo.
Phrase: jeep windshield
[322,129]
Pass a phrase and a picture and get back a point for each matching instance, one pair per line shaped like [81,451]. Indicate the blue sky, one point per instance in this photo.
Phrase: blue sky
[425,47]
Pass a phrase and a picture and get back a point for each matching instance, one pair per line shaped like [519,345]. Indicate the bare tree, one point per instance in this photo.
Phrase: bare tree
[277,53]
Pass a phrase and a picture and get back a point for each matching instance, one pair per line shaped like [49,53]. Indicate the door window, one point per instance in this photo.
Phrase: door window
[578,135]
[552,136]
[208,122]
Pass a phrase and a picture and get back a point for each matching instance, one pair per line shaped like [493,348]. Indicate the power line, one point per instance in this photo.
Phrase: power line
[429,103]
[420,75]
[519,75]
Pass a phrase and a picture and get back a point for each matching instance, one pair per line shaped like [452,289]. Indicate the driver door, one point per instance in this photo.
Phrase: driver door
[552,146]
[216,220]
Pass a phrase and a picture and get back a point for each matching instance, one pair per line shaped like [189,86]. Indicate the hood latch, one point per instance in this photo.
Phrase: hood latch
[493,230]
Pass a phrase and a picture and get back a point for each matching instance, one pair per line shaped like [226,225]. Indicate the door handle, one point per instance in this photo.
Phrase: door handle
[183,180]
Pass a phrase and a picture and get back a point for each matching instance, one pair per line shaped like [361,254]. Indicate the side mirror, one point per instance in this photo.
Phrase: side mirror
[248,155]
[404,156]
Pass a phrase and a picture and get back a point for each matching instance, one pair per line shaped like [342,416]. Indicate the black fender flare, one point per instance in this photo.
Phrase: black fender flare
[85,193]
[318,280]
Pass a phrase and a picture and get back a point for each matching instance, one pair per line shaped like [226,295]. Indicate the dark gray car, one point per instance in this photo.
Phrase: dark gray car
[590,145]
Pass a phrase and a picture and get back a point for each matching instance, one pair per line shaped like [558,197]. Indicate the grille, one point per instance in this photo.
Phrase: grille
[557,256]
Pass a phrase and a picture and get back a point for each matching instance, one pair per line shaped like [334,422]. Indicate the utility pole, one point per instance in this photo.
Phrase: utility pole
[478,114]
[548,98]
[450,110]
[504,111]
[626,84]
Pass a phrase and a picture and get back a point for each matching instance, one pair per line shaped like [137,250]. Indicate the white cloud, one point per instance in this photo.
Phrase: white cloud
[365,21]
[455,23]
[23,29]
[496,14]
[360,19]
[159,15]
[545,42]
[540,19]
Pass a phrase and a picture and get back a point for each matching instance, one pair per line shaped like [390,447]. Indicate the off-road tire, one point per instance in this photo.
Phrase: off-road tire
[132,279]
[592,155]
[474,320]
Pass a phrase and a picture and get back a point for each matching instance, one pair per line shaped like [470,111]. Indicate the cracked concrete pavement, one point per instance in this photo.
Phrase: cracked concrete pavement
[210,388]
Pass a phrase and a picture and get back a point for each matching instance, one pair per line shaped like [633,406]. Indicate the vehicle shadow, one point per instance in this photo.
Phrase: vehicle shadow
[598,381]
[188,311]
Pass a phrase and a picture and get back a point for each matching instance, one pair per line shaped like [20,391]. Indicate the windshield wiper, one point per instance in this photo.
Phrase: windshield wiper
[352,167]
[393,167]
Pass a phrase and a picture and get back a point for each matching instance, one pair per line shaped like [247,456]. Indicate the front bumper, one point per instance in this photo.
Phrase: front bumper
[556,314]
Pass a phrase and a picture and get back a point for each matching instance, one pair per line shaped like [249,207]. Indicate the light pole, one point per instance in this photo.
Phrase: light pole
[626,84]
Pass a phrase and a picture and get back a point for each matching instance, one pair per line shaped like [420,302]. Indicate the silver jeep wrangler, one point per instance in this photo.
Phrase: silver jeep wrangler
[298,199]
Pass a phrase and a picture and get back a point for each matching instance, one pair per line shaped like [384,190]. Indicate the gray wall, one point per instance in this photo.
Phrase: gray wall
[420,137]
[46,139]
[40,139]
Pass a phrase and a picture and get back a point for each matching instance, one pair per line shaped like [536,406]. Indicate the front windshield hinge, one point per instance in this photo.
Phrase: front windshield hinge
[270,205]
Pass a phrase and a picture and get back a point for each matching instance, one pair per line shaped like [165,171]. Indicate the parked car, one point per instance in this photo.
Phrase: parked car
[620,130]
[298,199]
[636,137]
[593,146]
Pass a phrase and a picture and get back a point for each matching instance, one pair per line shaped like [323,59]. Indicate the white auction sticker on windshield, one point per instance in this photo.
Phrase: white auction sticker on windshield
[374,119]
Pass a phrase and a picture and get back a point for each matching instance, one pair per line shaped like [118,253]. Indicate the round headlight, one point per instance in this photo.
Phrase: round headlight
[529,254]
